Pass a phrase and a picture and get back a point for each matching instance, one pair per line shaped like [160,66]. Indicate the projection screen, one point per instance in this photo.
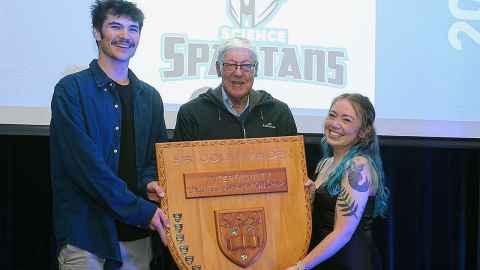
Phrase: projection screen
[414,60]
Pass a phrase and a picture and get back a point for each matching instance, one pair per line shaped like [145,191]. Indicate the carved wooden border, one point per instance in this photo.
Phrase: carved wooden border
[161,170]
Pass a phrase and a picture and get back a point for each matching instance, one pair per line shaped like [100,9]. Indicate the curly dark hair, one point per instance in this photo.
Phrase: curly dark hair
[101,8]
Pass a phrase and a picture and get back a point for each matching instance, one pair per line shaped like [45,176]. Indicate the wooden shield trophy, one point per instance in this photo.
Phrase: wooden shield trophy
[235,204]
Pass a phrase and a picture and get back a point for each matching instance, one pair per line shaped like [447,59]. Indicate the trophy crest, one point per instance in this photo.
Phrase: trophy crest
[241,234]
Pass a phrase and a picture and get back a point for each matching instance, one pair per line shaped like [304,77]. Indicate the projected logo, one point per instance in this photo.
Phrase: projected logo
[278,59]
[252,13]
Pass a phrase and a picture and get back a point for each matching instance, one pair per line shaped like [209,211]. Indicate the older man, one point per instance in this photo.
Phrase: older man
[234,109]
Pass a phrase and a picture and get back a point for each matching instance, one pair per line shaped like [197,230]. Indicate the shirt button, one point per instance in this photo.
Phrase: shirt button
[115,151]
[116,106]
[117,128]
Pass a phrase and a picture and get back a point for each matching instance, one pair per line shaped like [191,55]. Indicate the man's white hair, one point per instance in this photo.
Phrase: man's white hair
[236,43]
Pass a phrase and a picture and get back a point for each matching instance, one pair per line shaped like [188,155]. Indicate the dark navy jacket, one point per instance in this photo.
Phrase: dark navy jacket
[207,118]
[85,133]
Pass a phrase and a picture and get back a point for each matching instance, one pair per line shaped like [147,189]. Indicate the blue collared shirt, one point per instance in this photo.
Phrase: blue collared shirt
[229,104]
[88,195]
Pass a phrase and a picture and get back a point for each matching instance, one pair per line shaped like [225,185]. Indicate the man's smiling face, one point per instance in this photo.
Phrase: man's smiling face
[118,38]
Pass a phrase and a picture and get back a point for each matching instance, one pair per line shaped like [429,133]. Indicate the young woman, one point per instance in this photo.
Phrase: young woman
[348,191]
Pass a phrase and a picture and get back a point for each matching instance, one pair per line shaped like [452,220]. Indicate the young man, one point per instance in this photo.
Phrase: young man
[104,124]
[234,109]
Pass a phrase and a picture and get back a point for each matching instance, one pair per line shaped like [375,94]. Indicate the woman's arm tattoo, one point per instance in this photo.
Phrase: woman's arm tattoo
[346,204]
[358,181]
[356,178]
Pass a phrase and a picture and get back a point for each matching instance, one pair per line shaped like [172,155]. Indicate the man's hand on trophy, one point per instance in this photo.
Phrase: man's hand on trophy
[160,223]
[155,192]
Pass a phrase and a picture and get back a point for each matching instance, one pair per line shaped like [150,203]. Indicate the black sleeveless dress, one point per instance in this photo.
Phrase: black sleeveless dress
[360,253]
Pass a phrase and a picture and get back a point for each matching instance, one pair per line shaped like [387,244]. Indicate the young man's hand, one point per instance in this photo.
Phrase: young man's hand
[155,192]
[160,223]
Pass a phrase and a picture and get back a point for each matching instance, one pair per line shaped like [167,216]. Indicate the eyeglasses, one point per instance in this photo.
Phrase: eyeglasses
[230,67]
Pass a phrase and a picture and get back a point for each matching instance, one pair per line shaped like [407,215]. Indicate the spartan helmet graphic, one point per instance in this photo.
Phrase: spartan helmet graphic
[252,13]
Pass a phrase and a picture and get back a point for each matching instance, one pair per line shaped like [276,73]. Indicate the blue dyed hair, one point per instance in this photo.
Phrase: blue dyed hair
[367,147]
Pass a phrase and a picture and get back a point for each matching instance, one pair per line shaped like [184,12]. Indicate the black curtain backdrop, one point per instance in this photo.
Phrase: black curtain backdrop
[433,221]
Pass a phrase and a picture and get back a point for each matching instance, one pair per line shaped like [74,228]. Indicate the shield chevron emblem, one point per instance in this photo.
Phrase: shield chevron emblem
[241,234]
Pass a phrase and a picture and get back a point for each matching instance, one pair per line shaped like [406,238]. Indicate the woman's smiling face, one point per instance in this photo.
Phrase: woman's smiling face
[342,125]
